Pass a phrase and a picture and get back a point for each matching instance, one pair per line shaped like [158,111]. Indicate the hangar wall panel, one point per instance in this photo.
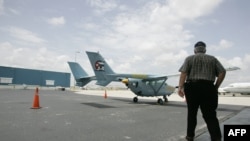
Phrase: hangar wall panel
[9,75]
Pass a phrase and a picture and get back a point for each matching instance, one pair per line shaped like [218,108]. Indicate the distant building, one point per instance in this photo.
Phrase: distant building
[21,76]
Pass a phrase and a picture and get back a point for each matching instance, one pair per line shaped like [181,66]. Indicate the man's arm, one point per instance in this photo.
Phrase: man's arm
[220,79]
[181,84]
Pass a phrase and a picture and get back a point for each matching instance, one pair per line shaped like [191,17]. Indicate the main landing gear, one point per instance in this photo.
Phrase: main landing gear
[160,101]
[165,98]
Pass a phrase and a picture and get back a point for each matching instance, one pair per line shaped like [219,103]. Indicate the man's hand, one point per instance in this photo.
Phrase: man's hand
[181,84]
[181,92]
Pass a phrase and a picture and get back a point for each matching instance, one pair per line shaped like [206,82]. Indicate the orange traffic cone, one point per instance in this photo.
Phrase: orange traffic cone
[105,95]
[36,100]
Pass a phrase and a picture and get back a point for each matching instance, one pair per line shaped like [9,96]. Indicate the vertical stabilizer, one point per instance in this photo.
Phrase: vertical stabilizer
[80,75]
[101,68]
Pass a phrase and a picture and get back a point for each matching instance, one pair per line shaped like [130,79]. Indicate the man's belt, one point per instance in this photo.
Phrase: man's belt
[200,81]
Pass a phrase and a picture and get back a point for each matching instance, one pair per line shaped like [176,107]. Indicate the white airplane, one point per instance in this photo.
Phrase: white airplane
[242,88]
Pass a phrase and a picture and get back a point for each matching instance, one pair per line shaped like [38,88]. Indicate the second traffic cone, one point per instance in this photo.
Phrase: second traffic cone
[36,104]
[105,95]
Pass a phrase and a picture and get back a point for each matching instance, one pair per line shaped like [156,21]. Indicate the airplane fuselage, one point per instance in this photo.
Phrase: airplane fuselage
[150,88]
[242,88]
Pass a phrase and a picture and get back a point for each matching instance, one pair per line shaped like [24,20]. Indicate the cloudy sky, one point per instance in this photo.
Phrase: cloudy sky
[134,36]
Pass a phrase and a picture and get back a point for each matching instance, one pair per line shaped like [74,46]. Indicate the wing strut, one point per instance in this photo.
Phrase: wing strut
[156,90]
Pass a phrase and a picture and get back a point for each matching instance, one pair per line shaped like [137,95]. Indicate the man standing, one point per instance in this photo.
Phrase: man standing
[201,76]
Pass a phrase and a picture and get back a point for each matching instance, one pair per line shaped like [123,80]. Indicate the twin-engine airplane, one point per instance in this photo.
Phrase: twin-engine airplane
[144,85]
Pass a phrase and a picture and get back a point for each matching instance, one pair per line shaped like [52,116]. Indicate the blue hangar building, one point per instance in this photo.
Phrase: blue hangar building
[21,76]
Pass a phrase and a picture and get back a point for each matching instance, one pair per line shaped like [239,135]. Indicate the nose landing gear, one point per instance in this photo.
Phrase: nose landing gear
[135,99]
[160,101]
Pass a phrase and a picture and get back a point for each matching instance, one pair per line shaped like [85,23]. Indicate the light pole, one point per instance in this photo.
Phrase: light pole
[76,54]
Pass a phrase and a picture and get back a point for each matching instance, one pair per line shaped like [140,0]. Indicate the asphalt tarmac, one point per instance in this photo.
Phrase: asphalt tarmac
[88,116]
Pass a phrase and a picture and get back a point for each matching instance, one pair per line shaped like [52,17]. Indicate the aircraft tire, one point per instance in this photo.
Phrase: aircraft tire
[160,101]
[135,99]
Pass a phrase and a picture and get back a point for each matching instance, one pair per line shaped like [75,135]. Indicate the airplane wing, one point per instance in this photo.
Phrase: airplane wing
[104,73]
[227,69]
[143,77]
[232,68]
[119,77]
[174,75]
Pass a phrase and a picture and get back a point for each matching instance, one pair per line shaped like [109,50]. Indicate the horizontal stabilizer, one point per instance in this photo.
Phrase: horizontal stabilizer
[102,83]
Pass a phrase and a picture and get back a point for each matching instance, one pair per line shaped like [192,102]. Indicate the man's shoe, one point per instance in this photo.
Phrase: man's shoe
[189,138]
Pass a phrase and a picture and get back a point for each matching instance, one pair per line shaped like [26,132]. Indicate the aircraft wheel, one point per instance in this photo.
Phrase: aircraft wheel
[135,99]
[160,101]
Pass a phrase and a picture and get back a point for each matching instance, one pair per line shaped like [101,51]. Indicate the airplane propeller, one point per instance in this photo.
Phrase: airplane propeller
[125,81]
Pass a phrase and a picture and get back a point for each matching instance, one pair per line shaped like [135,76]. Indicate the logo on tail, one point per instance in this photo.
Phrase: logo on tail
[99,65]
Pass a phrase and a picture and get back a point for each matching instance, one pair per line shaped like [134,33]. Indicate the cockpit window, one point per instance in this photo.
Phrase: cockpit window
[135,84]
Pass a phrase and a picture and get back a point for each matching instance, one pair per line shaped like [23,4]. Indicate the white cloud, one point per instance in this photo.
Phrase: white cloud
[191,9]
[223,44]
[102,6]
[151,38]
[33,58]
[57,21]
[25,35]
[154,32]
[160,26]
[5,46]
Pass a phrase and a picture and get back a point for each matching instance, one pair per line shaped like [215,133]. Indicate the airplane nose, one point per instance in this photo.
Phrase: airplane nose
[125,81]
